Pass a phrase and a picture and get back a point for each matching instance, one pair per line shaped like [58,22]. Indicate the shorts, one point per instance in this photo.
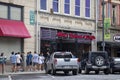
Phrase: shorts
[14,64]
[35,63]
[29,63]
[18,64]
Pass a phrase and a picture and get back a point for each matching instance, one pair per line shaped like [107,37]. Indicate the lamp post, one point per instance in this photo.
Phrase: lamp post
[103,42]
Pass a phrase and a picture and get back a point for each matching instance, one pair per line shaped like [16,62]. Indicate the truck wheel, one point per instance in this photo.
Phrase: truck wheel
[74,72]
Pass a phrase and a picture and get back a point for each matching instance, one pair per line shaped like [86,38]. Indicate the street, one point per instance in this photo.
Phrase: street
[61,76]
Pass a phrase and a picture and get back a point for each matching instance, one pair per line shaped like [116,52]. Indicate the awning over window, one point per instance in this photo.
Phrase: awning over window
[13,28]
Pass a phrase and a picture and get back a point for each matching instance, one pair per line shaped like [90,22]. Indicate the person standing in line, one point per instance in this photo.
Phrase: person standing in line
[22,61]
[2,62]
[35,61]
[29,61]
[42,59]
[13,60]
[19,59]
[39,62]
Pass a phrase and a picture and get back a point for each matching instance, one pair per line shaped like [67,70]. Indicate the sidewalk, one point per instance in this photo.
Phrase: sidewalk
[25,72]
[7,76]
[7,71]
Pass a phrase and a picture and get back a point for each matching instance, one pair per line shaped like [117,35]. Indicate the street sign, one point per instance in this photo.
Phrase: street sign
[107,36]
[107,23]
[32,17]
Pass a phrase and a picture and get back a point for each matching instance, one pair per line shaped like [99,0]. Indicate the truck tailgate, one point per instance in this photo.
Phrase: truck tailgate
[66,61]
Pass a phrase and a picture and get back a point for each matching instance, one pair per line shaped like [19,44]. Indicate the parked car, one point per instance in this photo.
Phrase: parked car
[95,61]
[62,61]
[114,64]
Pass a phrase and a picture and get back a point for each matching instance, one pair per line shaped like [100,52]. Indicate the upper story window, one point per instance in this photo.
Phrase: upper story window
[55,5]
[67,6]
[87,8]
[43,4]
[3,11]
[11,12]
[15,13]
[77,7]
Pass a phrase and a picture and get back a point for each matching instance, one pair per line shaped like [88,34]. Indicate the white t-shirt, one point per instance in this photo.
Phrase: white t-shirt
[18,58]
[35,58]
[41,59]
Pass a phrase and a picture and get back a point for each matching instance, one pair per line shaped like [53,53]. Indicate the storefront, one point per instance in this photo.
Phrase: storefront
[12,34]
[63,40]
[112,45]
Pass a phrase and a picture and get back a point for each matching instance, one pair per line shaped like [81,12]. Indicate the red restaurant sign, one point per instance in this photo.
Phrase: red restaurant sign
[71,35]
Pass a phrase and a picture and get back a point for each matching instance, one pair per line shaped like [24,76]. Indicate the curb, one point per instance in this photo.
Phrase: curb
[20,73]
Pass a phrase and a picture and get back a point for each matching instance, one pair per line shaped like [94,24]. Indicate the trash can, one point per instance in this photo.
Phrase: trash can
[2,64]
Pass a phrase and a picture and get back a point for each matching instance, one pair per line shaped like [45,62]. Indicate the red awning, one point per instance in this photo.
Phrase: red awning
[13,28]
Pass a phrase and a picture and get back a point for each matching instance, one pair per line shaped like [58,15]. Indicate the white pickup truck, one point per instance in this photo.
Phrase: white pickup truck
[62,61]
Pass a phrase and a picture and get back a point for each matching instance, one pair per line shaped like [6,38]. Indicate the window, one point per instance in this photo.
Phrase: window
[55,5]
[11,12]
[15,13]
[43,4]
[87,8]
[3,11]
[113,14]
[77,7]
[67,6]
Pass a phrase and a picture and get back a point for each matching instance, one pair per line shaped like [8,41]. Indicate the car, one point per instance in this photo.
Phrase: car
[62,61]
[114,64]
[95,61]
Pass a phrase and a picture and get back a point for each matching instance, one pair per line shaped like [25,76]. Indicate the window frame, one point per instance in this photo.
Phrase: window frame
[56,6]
[87,9]
[6,16]
[67,5]
[77,6]
[9,10]
[45,5]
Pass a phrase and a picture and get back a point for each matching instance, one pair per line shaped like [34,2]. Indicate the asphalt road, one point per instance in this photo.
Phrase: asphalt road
[61,76]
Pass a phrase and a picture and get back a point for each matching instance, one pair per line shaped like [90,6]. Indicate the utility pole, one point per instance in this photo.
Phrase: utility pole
[103,16]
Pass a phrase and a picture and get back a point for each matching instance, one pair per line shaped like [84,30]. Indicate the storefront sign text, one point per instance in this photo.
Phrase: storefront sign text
[71,35]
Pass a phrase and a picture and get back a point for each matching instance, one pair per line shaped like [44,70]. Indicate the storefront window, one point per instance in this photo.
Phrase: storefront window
[15,13]
[3,11]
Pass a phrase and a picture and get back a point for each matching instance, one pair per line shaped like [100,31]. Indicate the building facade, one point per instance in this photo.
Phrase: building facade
[66,25]
[111,26]
[16,33]
[51,25]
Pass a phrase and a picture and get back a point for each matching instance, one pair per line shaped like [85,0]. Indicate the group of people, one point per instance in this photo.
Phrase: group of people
[17,61]
[35,61]
[30,62]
